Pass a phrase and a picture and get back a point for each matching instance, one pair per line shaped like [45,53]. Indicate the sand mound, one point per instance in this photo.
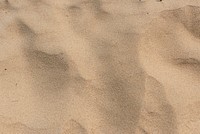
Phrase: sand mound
[169,53]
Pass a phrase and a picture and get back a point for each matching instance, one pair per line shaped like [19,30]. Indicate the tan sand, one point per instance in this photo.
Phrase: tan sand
[99,67]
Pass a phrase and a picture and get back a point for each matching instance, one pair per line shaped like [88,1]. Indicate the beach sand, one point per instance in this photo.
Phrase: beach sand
[99,67]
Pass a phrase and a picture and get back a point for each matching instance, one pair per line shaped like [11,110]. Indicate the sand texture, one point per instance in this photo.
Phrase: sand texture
[100,66]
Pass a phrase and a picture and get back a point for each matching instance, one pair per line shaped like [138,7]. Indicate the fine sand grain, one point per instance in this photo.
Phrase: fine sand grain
[99,67]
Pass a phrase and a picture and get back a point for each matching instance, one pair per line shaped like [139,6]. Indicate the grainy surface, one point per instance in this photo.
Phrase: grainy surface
[99,67]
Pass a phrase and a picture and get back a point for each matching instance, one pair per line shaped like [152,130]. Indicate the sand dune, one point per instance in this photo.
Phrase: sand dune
[99,67]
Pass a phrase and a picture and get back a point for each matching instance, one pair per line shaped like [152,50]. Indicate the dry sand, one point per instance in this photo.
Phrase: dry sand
[99,67]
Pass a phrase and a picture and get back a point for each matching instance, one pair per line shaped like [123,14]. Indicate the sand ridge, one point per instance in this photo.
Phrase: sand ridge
[99,66]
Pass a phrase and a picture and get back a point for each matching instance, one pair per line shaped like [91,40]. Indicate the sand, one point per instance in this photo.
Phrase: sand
[99,67]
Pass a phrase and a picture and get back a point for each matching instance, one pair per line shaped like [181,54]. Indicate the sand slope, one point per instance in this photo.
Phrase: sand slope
[99,66]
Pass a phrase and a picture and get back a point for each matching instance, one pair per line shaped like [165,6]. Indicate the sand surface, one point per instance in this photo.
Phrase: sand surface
[99,66]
